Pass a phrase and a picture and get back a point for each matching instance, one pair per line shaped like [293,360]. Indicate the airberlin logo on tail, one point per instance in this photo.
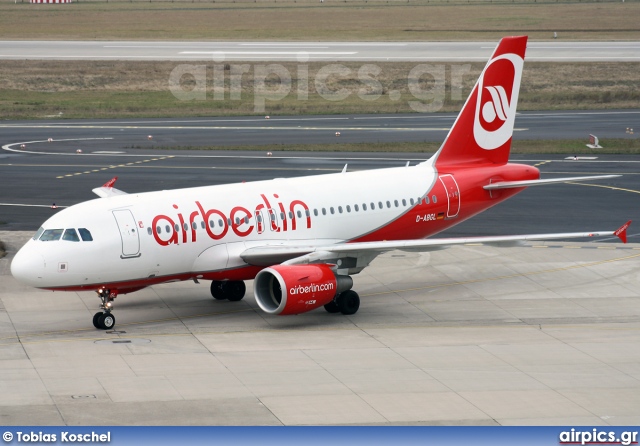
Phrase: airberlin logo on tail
[497,107]
[497,97]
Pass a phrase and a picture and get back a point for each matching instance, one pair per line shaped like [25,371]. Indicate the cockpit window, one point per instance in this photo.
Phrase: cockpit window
[70,235]
[85,234]
[51,235]
[38,233]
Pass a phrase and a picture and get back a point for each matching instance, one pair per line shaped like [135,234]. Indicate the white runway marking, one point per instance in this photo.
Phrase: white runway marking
[31,205]
[273,53]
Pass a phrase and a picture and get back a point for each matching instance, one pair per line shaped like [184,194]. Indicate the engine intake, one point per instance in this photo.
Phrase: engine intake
[295,289]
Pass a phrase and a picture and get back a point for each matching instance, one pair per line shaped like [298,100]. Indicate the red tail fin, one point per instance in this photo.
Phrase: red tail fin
[482,133]
[621,232]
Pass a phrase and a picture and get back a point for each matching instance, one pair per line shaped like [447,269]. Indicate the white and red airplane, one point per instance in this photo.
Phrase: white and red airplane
[300,239]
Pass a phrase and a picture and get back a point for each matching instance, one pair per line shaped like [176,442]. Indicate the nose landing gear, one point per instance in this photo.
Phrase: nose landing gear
[104,320]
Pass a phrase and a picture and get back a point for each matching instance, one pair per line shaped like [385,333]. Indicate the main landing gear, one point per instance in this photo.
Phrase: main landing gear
[232,290]
[346,303]
[104,320]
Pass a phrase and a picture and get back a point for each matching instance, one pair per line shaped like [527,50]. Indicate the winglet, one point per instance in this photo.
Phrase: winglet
[621,232]
[107,190]
[111,182]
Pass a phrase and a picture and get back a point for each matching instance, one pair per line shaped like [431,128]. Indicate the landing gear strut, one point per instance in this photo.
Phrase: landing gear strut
[232,290]
[346,303]
[104,320]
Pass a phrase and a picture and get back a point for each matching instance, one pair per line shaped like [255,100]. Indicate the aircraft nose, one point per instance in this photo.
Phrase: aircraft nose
[28,266]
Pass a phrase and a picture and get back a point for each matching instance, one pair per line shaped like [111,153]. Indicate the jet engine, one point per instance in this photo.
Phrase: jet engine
[295,289]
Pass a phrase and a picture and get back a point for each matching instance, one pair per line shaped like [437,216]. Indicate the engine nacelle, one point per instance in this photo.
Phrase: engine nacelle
[295,289]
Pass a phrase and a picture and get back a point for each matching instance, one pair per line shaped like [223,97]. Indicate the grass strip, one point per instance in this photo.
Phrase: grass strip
[310,20]
[119,89]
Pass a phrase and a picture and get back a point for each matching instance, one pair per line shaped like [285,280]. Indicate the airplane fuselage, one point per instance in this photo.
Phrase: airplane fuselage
[148,238]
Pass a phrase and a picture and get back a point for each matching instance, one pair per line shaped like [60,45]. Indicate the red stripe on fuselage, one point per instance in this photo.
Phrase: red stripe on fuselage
[243,273]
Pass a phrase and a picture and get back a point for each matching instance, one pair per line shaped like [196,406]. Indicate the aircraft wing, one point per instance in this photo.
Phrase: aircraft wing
[291,255]
[107,189]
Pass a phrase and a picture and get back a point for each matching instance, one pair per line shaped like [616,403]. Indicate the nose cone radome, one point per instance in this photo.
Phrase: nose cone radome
[28,266]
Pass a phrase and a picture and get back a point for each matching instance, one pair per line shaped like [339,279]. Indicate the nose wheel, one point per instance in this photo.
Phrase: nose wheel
[104,320]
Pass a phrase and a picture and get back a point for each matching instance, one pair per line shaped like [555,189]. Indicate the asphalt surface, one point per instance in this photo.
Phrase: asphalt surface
[553,51]
[257,130]
[52,172]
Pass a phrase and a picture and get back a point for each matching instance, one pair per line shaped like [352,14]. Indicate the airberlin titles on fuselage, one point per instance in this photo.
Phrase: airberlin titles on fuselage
[182,228]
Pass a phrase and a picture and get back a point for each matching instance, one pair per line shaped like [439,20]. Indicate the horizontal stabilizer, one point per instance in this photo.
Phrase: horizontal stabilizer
[527,183]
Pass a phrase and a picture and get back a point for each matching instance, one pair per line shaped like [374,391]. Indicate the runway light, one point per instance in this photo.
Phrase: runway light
[150,137]
[337,133]
[79,151]
[267,117]
[50,139]
[269,153]
[23,146]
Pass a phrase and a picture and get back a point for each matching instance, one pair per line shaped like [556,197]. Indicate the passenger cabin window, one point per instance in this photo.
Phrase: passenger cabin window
[434,198]
[51,235]
[149,231]
[70,235]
